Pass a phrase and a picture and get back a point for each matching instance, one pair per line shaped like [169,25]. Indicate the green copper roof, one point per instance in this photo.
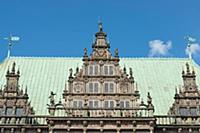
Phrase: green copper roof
[159,76]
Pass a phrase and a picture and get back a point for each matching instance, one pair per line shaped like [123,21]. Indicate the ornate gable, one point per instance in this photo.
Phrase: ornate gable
[187,99]
[13,100]
[101,88]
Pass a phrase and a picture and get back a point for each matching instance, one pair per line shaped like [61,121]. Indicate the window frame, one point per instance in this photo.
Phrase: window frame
[21,113]
[108,90]
[109,104]
[182,113]
[93,87]
[92,102]
[79,104]
[194,109]
[125,103]
[108,70]
[10,109]
[2,111]
[93,70]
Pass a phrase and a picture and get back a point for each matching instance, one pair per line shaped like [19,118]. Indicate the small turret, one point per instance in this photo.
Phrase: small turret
[13,67]
[124,70]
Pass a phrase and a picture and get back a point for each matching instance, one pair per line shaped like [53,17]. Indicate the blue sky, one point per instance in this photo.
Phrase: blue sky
[66,27]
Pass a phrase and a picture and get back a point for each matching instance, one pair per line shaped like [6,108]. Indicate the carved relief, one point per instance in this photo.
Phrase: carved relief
[124,87]
[78,87]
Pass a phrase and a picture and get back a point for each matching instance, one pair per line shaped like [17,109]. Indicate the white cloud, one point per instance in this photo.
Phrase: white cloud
[159,48]
[195,49]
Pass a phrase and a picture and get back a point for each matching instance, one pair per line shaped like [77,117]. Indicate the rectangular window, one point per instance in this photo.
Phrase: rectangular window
[111,70]
[9,111]
[96,70]
[93,69]
[106,87]
[184,111]
[109,104]
[127,104]
[124,104]
[93,104]
[19,111]
[93,87]
[193,111]
[108,70]
[90,87]
[96,86]
[1,111]
[106,104]
[109,87]
[77,104]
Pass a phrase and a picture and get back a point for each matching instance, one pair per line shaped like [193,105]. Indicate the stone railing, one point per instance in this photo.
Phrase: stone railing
[177,120]
[109,113]
[23,120]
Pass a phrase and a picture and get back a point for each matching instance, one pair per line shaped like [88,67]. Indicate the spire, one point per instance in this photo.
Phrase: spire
[189,79]
[100,45]
[124,69]
[188,72]
[117,53]
[18,72]
[149,99]
[8,70]
[187,68]
[193,72]
[26,90]
[100,26]
[13,67]
[101,41]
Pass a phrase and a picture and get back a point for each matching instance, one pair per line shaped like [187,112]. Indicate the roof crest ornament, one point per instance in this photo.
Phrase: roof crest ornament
[11,39]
